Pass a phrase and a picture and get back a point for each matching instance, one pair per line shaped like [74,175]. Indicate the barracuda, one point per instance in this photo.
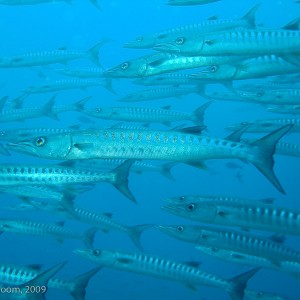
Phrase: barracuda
[267,125]
[165,64]
[288,149]
[32,59]
[104,221]
[148,41]
[233,240]
[56,231]
[289,267]
[148,114]
[166,269]
[258,67]
[49,110]
[24,133]
[236,42]
[138,167]
[285,109]
[63,85]
[16,275]
[175,79]
[154,145]
[160,93]
[39,283]
[95,72]
[52,175]
[231,211]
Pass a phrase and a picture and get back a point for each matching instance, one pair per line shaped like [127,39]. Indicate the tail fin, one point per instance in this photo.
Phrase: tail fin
[93,52]
[39,281]
[80,105]
[48,109]
[78,284]
[239,283]
[121,180]
[264,162]
[135,234]
[166,170]
[89,236]
[199,113]
[250,16]
[107,83]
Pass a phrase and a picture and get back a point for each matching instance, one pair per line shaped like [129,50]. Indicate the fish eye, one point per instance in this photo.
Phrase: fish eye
[259,294]
[259,94]
[180,41]
[180,228]
[182,198]
[191,207]
[40,141]
[98,110]
[96,252]
[214,249]
[124,66]
[139,39]
[213,69]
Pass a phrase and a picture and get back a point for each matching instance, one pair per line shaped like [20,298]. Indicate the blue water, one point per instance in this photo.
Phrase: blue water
[79,26]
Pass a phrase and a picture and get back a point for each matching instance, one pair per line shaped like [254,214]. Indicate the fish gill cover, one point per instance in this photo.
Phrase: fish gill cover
[149,140]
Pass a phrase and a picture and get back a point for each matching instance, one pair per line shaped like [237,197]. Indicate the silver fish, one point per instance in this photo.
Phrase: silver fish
[285,109]
[16,275]
[231,211]
[56,231]
[153,145]
[32,59]
[53,175]
[289,267]
[210,25]
[148,114]
[165,269]
[233,240]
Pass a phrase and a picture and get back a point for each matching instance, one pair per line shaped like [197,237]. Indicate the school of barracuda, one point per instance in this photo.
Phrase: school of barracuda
[253,64]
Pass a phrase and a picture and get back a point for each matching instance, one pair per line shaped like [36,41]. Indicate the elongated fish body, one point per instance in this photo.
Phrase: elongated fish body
[268,125]
[105,165]
[42,192]
[56,231]
[30,2]
[273,97]
[39,283]
[285,109]
[32,59]
[152,145]
[95,72]
[62,85]
[174,79]
[24,133]
[11,175]
[170,63]
[189,2]
[259,67]
[13,274]
[147,114]
[159,93]
[52,175]
[244,213]
[150,40]
[165,269]
[288,149]
[232,240]
[289,267]
[236,42]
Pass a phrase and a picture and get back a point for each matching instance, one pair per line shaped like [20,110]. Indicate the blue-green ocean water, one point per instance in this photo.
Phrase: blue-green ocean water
[79,26]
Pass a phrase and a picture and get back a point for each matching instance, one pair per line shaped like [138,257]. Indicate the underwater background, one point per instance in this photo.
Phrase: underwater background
[79,26]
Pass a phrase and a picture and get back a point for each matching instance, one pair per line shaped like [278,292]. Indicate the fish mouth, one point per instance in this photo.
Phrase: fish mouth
[24,147]
[166,47]
[79,252]
[165,229]
[113,72]
[174,209]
